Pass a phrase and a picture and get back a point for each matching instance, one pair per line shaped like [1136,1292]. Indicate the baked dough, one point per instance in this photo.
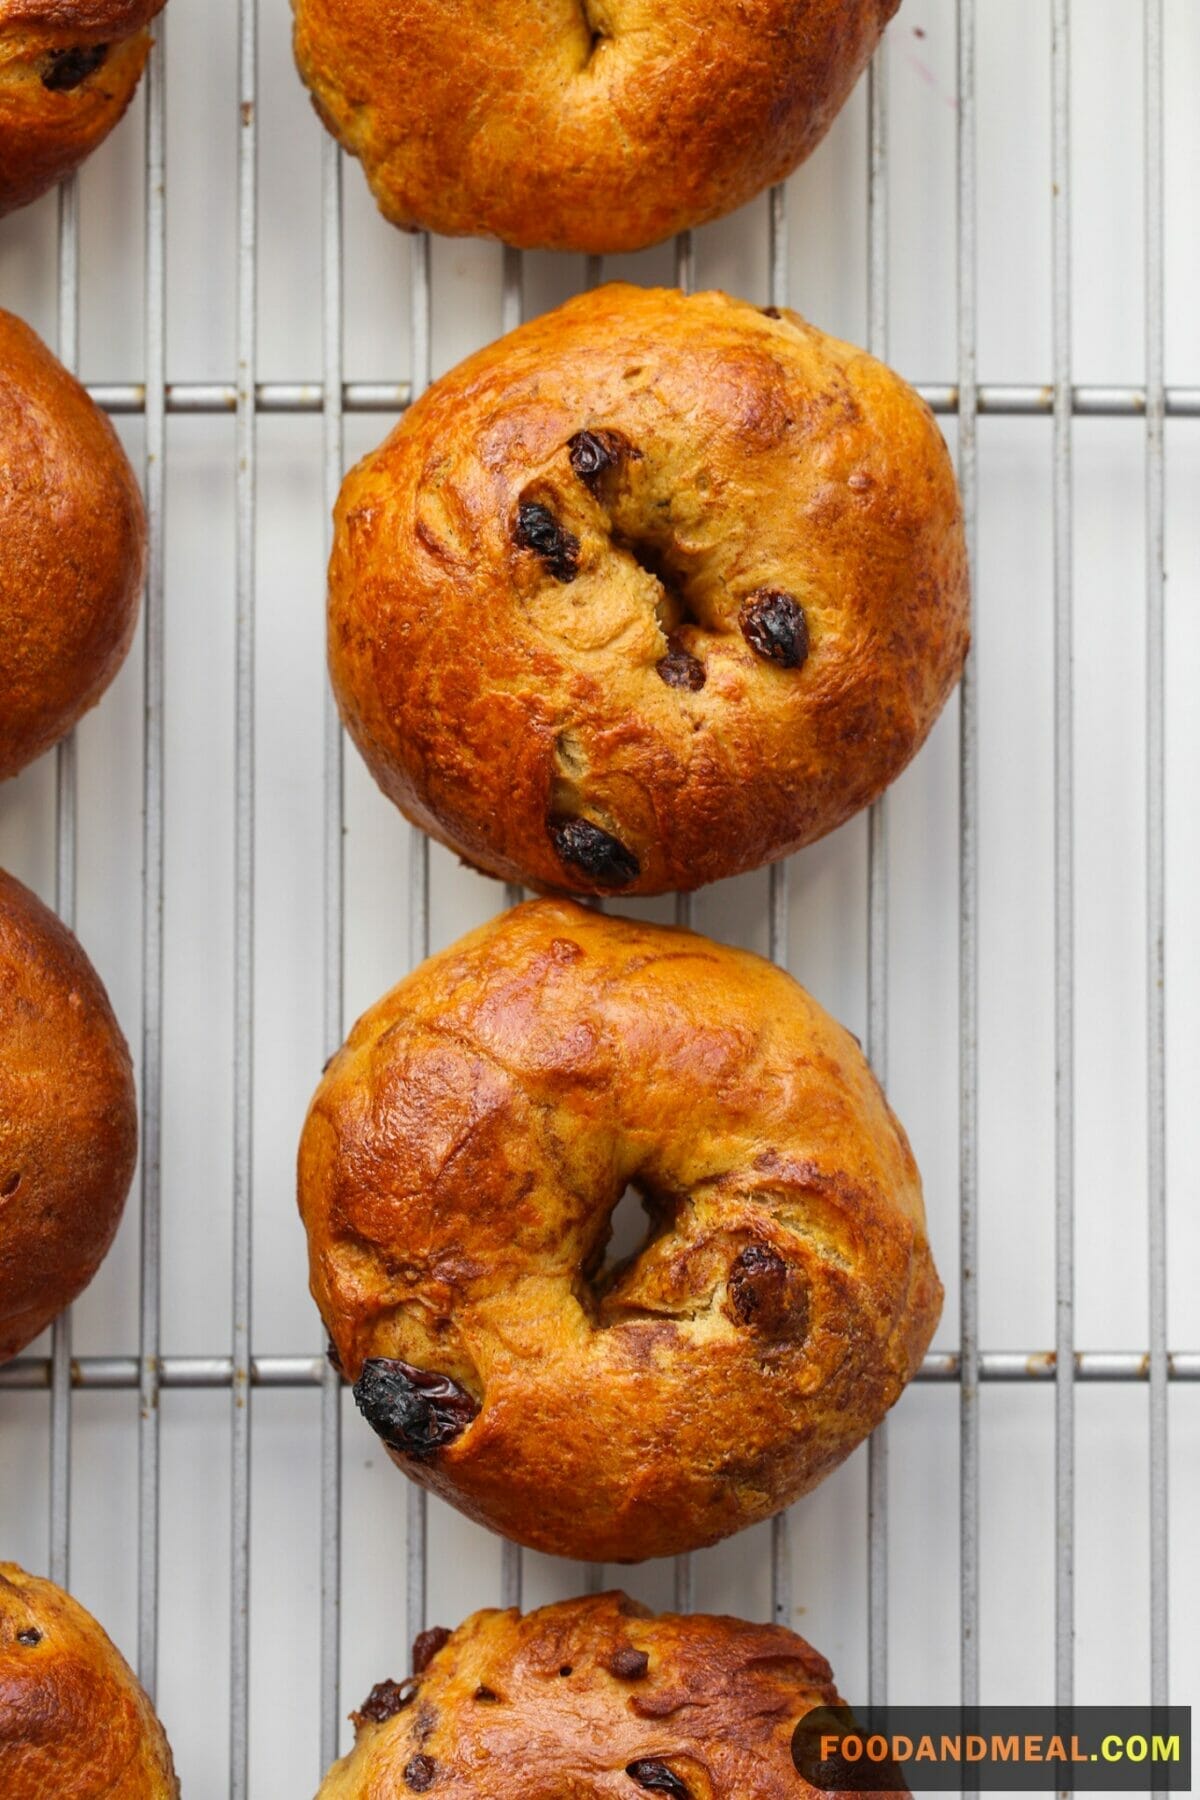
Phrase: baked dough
[68,70]
[74,1722]
[588,1700]
[458,1171]
[594,125]
[68,1119]
[649,593]
[72,549]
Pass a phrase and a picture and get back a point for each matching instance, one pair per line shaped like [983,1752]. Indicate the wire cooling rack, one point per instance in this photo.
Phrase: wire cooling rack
[238,1367]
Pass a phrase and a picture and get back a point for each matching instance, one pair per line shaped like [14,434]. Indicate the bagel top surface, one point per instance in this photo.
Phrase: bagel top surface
[68,1118]
[73,1720]
[588,1699]
[68,70]
[652,591]
[458,1171]
[593,125]
[72,549]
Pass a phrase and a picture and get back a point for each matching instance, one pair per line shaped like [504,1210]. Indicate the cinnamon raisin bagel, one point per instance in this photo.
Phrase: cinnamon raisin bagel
[586,1699]
[68,70]
[72,549]
[74,1723]
[650,592]
[68,1118]
[458,1172]
[596,125]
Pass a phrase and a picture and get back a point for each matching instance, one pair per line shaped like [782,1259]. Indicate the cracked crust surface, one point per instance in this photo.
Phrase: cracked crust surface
[458,1170]
[73,1720]
[587,125]
[668,569]
[68,70]
[72,549]
[68,1118]
[563,1703]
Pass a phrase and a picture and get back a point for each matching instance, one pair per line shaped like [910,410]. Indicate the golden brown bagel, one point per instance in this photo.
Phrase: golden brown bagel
[72,549]
[68,1118]
[588,1699]
[596,125]
[74,1722]
[651,592]
[458,1171]
[68,70]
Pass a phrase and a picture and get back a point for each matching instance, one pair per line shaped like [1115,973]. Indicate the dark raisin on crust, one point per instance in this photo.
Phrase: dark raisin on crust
[384,1701]
[628,1664]
[420,1774]
[426,1646]
[595,851]
[67,69]
[774,626]
[756,1282]
[771,312]
[680,669]
[594,452]
[412,1410]
[657,1778]
[538,530]
[30,1637]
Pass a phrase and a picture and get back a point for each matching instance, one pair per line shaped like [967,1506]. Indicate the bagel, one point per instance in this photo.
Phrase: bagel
[652,591]
[68,70]
[72,549]
[594,125]
[458,1171]
[586,1699]
[68,1118]
[73,1720]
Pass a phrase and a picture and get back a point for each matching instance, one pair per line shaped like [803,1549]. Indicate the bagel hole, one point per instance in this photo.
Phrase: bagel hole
[638,1218]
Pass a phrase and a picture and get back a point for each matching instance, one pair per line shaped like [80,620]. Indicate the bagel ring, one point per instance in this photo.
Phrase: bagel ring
[652,591]
[458,1171]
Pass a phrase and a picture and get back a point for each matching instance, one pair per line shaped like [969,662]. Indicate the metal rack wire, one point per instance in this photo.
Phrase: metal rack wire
[240,1371]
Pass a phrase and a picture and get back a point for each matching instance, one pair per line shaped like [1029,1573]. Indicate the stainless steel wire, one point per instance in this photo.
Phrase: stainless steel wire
[243,1056]
[1064,871]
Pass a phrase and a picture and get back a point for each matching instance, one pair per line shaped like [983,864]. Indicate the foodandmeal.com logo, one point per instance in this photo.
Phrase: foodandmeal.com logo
[1093,1749]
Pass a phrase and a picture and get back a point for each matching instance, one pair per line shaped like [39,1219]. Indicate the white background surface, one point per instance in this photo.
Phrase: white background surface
[1013,635]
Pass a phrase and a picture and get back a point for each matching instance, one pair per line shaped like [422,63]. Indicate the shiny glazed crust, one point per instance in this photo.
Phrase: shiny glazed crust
[55,106]
[458,1170]
[72,549]
[502,684]
[68,1119]
[595,125]
[563,1703]
[73,1721]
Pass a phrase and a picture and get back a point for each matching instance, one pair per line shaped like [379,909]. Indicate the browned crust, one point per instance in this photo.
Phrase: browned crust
[68,1118]
[73,1720]
[46,133]
[72,549]
[487,695]
[536,1708]
[457,1169]
[593,125]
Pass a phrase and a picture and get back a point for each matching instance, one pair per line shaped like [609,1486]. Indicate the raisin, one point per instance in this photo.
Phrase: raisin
[384,1701]
[600,855]
[29,1637]
[756,1282]
[11,1185]
[680,669]
[538,530]
[594,452]
[774,625]
[412,1410]
[628,1664]
[66,69]
[426,1647]
[420,1774]
[771,312]
[657,1778]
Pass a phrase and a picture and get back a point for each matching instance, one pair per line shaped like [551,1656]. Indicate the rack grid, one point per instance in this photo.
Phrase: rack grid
[333,397]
